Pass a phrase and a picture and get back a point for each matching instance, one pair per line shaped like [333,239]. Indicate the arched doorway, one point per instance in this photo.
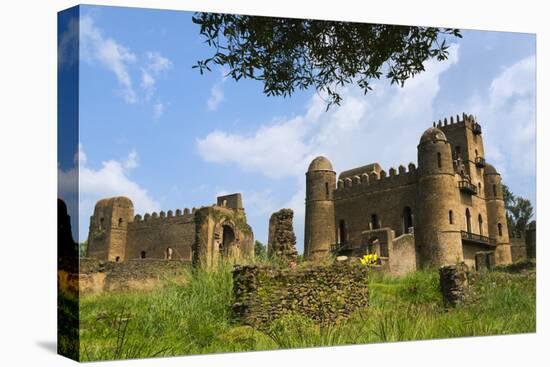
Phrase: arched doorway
[407,219]
[342,234]
[228,240]
[468,221]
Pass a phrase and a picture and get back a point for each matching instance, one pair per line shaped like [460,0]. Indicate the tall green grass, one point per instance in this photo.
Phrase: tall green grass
[195,317]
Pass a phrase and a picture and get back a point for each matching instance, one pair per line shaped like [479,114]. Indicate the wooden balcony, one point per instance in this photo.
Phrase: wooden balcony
[478,239]
[467,187]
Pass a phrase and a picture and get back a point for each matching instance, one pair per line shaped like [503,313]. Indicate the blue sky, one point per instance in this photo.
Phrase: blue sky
[154,129]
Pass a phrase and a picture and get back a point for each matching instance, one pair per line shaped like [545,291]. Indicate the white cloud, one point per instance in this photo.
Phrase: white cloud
[508,116]
[111,179]
[216,97]
[384,126]
[118,59]
[157,63]
[158,110]
[111,54]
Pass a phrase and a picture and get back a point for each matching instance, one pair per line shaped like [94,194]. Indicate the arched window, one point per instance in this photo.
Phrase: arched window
[407,219]
[468,221]
[120,222]
[168,253]
[101,220]
[500,229]
[479,187]
[326,190]
[438,160]
[117,259]
[480,222]
[450,217]
[374,221]
[494,190]
[476,153]
[342,232]
[142,254]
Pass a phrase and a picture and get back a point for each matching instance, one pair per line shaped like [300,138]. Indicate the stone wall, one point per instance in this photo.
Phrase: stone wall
[518,248]
[95,276]
[281,239]
[155,234]
[325,294]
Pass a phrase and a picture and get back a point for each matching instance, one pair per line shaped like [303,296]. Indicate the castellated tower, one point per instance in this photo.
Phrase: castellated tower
[320,230]
[496,215]
[437,228]
[109,227]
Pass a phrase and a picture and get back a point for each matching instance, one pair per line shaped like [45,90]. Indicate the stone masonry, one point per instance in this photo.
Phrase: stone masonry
[449,206]
[281,239]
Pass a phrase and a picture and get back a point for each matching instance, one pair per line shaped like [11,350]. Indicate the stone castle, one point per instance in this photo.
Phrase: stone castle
[448,209]
[201,236]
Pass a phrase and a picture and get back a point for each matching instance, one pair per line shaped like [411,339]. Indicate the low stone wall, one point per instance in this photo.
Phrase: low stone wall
[95,276]
[326,294]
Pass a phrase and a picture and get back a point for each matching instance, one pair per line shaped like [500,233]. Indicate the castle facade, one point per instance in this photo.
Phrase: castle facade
[448,209]
[202,236]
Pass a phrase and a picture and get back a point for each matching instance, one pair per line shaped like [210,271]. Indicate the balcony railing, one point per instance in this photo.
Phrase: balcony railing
[476,129]
[473,237]
[467,187]
[480,162]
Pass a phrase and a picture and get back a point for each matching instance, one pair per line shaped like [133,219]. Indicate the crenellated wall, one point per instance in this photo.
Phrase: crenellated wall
[387,196]
[156,232]
[201,235]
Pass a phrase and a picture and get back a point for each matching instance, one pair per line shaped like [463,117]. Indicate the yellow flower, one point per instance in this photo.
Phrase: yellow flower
[369,259]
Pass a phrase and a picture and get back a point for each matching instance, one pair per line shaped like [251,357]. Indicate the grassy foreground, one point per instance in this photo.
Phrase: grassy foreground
[195,318]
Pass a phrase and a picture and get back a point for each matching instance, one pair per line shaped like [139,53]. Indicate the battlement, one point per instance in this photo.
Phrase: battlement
[165,216]
[374,181]
[457,120]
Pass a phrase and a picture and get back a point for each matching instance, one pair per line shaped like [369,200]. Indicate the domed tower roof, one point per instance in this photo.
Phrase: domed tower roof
[433,134]
[490,170]
[117,199]
[320,164]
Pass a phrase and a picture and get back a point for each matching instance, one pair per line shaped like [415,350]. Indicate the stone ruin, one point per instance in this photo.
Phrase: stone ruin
[281,241]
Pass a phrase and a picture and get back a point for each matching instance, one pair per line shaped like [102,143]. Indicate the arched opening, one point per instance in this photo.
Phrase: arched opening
[499,229]
[438,160]
[457,152]
[228,240]
[224,202]
[342,233]
[117,259]
[143,254]
[407,219]
[480,222]
[479,187]
[494,190]
[468,221]
[451,217]
[120,222]
[375,224]
[101,221]
[326,190]
[168,253]
[476,153]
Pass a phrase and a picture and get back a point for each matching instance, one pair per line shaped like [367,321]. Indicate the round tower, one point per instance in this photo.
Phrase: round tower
[109,228]
[320,232]
[496,215]
[437,232]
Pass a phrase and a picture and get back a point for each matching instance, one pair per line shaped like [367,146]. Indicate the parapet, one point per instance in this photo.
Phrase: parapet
[163,216]
[456,120]
[232,201]
[373,180]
